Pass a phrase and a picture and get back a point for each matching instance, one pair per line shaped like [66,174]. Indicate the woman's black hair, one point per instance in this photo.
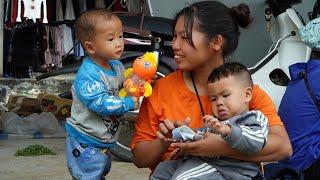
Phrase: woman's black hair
[214,18]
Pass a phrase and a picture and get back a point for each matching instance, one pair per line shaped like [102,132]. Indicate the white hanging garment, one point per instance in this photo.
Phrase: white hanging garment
[67,39]
[32,10]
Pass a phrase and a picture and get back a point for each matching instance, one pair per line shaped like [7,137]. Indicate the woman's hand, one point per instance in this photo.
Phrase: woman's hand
[164,134]
[209,146]
[277,147]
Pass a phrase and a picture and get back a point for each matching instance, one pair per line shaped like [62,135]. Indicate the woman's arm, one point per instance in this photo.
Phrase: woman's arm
[148,153]
[277,147]
[147,148]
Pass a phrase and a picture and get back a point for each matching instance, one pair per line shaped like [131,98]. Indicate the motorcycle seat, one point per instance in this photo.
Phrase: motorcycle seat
[157,25]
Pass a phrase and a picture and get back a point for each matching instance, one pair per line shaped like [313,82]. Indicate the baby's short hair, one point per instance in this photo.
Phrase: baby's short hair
[235,69]
[87,21]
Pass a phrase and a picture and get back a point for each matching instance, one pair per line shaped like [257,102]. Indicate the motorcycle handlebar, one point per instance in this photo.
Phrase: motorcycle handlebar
[144,37]
[271,54]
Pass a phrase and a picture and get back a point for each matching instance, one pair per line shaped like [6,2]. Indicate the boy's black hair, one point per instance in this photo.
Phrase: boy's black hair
[228,69]
[87,21]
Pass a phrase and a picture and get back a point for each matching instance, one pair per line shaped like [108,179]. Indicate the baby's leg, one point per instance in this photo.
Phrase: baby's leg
[196,168]
[86,162]
[165,170]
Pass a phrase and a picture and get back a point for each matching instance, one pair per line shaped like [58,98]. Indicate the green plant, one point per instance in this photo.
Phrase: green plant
[34,150]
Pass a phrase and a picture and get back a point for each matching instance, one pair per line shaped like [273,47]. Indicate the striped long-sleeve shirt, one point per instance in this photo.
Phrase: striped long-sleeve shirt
[249,132]
[248,135]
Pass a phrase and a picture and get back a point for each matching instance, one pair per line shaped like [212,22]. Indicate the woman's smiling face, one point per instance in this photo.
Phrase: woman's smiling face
[186,56]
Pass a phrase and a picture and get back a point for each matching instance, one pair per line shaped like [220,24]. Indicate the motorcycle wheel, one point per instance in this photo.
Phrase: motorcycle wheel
[122,148]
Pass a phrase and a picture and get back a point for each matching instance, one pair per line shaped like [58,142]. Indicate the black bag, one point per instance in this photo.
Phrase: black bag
[278,171]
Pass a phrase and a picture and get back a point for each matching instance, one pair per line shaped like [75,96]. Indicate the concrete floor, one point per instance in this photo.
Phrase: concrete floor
[52,167]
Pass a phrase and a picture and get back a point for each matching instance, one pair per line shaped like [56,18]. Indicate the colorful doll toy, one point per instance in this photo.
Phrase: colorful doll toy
[138,78]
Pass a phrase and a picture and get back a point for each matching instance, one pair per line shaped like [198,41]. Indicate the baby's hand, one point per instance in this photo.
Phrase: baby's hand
[217,126]
[136,102]
[208,118]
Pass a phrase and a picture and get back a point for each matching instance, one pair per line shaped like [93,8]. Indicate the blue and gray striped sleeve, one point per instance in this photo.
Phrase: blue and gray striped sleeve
[92,92]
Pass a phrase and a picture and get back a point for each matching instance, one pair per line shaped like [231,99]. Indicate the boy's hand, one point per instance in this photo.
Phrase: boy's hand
[207,119]
[217,126]
[136,102]
[154,78]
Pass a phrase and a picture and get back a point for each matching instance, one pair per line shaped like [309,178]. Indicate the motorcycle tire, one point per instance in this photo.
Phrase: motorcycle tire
[122,148]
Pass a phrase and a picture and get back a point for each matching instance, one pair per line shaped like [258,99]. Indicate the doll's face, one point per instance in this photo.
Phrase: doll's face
[144,68]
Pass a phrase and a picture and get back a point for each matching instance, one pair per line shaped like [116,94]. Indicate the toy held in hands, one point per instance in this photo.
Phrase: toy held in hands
[138,78]
[185,133]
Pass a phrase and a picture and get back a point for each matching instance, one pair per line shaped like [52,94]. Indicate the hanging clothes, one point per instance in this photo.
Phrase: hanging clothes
[51,10]
[47,53]
[91,4]
[27,45]
[76,8]
[82,5]
[78,50]
[100,4]
[69,12]
[59,11]
[67,39]
[14,7]
[1,14]
[8,12]
[59,45]
[52,45]
[32,10]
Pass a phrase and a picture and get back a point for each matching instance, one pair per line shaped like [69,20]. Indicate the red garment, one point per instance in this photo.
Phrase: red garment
[14,10]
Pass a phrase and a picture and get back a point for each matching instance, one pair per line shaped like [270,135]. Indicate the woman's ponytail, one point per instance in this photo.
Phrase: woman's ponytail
[242,14]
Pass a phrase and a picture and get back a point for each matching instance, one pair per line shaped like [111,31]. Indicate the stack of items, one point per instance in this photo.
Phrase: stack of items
[34,116]
[24,106]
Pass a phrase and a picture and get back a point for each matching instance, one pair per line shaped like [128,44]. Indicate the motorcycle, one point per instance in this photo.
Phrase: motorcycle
[271,73]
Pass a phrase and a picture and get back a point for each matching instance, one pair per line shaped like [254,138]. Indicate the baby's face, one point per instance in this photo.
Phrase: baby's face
[228,97]
[108,40]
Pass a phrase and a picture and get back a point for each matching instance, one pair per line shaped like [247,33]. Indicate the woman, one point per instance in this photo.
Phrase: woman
[204,34]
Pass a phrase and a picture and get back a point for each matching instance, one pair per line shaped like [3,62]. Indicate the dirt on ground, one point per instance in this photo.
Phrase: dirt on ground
[52,166]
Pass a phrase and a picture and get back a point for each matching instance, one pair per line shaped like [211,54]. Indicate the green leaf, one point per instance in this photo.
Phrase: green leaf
[34,150]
